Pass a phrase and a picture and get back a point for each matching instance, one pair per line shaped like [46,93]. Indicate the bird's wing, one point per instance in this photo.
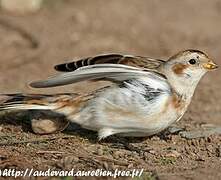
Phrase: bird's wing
[135,61]
[111,72]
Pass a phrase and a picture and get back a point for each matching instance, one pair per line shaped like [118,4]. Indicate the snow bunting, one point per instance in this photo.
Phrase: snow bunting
[146,95]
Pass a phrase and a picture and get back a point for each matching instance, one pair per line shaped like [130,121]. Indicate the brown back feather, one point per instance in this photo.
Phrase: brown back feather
[136,61]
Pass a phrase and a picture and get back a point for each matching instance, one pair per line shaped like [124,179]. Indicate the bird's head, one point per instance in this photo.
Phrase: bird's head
[191,63]
[187,67]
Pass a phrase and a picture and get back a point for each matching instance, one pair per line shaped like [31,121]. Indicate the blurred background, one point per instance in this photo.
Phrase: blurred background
[35,35]
[32,40]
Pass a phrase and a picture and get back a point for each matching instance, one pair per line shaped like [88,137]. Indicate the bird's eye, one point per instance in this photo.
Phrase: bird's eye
[192,61]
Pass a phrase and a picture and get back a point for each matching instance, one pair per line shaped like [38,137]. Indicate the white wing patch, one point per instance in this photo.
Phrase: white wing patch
[112,72]
[133,107]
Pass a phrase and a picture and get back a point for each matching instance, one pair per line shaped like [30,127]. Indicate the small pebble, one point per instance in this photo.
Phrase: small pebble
[155,138]
[218,151]
[48,126]
[173,153]
[152,152]
[105,164]
[100,152]
[21,6]
[130,166]
[210,148]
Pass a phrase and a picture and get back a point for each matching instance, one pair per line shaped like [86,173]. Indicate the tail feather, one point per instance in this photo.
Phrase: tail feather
[33,101]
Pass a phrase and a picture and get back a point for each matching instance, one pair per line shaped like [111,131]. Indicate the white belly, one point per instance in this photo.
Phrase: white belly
[123,111]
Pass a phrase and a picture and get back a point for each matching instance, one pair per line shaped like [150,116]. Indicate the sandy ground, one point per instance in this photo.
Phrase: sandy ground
[63,30]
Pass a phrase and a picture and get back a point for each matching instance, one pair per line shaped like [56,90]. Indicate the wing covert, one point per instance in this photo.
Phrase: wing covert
[111,72]
[135,61]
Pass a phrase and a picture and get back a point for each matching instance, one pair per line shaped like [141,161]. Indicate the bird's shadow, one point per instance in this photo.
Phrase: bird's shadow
[23,119]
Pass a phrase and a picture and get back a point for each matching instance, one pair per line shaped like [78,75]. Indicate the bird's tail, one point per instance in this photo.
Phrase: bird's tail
[61,103]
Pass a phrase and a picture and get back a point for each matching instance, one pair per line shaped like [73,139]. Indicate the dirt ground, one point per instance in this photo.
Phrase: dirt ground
[65,29]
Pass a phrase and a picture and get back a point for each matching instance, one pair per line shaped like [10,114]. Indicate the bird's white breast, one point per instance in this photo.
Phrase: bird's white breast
[127,110]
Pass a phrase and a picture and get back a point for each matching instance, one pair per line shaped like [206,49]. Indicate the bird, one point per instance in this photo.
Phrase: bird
[145,96]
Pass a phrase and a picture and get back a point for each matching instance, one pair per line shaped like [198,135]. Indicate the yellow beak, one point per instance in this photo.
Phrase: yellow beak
[210,65]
